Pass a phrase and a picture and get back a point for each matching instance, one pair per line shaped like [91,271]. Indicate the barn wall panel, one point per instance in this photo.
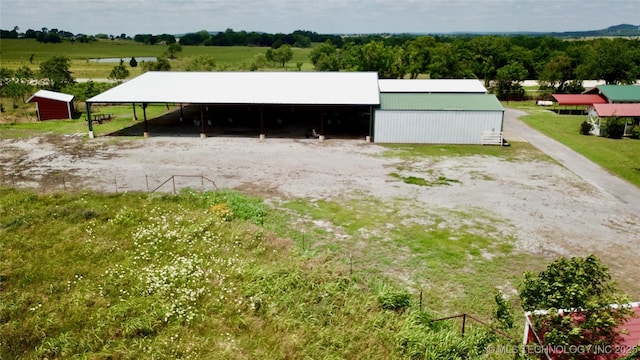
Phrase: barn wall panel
[434,127]
[52,109]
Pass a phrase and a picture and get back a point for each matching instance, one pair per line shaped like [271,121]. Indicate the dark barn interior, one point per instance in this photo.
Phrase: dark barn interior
[280,121]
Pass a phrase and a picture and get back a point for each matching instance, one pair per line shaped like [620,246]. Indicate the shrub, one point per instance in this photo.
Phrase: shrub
[585,128]
[613,128]
[635,132]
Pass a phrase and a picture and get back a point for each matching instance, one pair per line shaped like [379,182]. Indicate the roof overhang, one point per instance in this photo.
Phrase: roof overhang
[622,110]
[270,88]
[579,99]
[51,95]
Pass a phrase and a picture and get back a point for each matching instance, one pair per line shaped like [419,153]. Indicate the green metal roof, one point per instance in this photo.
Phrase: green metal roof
[460,102]
[621,93]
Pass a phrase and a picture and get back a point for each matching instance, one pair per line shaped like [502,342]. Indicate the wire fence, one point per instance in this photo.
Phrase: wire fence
[65,182]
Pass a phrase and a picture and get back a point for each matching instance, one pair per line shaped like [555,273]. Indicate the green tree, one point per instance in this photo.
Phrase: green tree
[173,50]
[508,79]
[556,73]
[119,72]
[419,55]
[280,55]
[16,91]
[448,62]
[325,57]
[56,72]
[582,286]
[6,75]
[614,61]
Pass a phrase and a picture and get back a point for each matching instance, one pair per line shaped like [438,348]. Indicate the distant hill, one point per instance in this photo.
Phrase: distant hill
[616,30]
[624,30]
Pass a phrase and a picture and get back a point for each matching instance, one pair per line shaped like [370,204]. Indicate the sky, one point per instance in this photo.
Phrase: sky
[114,17]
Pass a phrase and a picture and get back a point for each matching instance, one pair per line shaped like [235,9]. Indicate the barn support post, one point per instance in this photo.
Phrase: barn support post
[135,116]
[321,135]
[262,134]
[181,113]
[371,119]
[203,132]
[144,114]
[89,122]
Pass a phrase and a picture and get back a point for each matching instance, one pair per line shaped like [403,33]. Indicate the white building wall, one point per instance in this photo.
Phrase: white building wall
[434,127]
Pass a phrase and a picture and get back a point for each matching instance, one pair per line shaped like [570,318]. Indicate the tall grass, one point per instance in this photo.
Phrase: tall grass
[193,275]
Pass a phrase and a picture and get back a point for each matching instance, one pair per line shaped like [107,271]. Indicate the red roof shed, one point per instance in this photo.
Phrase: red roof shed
[579,99]
[53,105]
[622,110]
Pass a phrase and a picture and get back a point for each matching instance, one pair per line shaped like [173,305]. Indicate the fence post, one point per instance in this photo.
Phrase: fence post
[464,320]
[350,264]
[115,181]
[64,183]
[146,179]
[173,179]
[420,300]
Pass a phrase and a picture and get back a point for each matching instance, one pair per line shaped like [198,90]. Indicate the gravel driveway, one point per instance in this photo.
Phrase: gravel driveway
[550,208]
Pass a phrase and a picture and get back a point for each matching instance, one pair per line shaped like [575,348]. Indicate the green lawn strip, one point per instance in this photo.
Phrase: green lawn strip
[619,156]
[122,118]
[515,151]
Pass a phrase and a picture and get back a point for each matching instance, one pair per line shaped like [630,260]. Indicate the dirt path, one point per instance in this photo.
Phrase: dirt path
[549,209]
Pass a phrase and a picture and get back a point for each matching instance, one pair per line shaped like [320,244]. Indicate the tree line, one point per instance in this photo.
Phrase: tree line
[502,61]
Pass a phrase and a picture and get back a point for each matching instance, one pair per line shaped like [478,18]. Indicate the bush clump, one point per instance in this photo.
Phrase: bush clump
[585,128]
[613,128]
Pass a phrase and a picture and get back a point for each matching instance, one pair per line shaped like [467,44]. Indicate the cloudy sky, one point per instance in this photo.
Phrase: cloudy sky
[323,16]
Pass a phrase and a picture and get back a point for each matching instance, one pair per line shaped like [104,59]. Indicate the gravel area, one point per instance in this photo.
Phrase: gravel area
[548,209]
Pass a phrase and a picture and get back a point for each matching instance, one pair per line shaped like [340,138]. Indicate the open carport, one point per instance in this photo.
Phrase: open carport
[285,104]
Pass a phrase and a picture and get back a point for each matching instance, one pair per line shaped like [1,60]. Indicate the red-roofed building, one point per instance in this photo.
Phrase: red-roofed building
[579,99]
[631,113]
[629,333]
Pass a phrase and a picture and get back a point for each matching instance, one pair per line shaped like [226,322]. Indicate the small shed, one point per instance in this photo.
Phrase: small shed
[630,112]
[422,118]
[580,102]
[52,105]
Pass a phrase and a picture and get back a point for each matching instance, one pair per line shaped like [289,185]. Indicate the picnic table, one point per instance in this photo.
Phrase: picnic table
[100,118]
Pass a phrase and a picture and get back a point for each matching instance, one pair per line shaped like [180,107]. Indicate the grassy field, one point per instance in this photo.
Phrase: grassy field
[26,125]
[619,156]
[18,52]
[220,275]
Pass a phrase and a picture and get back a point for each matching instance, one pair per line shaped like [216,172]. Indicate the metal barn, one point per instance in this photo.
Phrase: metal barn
[436,118]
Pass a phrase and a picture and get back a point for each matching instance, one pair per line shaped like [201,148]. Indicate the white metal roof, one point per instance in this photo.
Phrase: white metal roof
[304,88]
[46,94]
[431,86]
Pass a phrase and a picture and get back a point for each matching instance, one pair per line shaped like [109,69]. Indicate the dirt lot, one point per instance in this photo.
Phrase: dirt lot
[549,210]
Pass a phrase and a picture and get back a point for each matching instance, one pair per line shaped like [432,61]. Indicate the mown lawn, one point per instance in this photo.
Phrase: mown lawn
[619,156]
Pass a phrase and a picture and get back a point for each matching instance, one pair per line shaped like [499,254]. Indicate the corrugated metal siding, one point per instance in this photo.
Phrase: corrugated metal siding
[434,127]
